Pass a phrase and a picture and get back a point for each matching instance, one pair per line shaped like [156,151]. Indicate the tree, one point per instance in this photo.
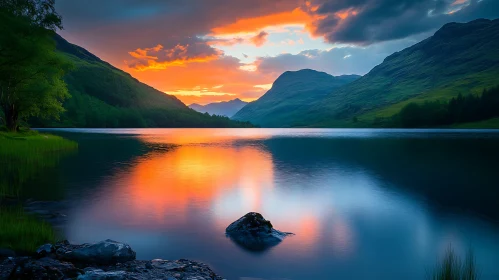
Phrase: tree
[31,72]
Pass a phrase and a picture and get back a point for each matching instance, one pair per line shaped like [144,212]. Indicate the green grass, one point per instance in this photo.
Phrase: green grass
[31,145]
[473,84]
[25,154]
[453,268]
[23,232]
[491,123]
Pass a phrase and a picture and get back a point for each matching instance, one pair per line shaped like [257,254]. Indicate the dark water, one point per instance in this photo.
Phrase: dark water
[364,204]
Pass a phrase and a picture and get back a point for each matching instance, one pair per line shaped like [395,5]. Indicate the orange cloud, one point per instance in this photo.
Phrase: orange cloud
[200,82]
[349,12]
[459,2]
[225,42]
[260,39]
[158,58]
[254,24]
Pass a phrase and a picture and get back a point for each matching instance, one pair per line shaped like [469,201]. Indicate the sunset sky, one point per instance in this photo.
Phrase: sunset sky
[206,51]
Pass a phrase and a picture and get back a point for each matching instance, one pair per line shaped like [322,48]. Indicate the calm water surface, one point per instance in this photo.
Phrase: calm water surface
[364,204]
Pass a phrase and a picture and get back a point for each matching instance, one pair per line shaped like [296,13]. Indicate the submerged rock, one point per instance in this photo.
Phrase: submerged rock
[254,233]
[104,252]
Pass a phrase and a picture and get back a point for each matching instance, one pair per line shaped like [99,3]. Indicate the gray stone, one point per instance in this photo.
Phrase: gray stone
[167,265]
[7,268]
[45,250]
[54,266]
[45,268]
[99,274]
[104,252]
[254,233]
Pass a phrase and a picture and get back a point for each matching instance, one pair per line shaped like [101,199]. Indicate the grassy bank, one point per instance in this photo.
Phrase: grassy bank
[31,145]
[25,154]
[486,124]
[23,232]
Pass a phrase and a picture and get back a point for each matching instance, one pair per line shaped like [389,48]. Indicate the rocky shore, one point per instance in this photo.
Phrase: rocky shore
[111,260]
[106,260]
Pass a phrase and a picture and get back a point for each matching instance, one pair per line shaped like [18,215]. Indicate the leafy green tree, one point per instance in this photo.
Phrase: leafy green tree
[31,72]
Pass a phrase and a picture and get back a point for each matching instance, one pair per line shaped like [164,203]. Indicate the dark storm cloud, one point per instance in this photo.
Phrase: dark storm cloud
[369,21]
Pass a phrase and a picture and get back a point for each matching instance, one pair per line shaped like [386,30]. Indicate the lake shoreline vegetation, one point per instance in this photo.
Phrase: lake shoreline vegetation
[23,155]
[452,267]
[463,111]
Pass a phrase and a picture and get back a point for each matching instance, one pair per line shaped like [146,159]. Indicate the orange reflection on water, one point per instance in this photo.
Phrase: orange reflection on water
[209,175]
[201,135]
[171,182]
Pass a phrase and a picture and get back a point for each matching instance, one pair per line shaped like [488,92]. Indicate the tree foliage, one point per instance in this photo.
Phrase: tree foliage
[40,13]
[31,72]
[460,109]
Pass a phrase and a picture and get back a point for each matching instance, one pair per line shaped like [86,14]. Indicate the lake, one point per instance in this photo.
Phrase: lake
[363,203]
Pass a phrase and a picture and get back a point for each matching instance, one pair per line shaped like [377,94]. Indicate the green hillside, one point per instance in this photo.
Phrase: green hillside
[459,58]
[290,94]
[104,96]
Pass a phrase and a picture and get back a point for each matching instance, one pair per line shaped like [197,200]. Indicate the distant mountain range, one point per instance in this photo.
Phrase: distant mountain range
[226,108]
[290,94]
[104,96]
[458,58]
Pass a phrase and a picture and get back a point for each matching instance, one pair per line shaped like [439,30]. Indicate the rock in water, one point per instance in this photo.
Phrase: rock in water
[104,252]
[254,233]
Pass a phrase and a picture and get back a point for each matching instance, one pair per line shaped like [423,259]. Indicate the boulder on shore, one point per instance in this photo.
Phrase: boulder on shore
[104,252]
[254,233]
[51,263]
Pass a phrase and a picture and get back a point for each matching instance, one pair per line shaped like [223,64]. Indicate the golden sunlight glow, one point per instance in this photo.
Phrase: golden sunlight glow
[209,171]
[161,65]
[265,87]
[248,67]
[199,93]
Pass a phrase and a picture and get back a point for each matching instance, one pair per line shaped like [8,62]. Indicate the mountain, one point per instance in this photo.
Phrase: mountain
[227,108]
[458,58]
[290,94]
[104,96]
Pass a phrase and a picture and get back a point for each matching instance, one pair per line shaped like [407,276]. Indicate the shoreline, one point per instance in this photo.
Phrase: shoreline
[104,260]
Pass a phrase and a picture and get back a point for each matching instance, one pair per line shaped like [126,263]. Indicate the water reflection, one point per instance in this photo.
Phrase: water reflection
[359,206]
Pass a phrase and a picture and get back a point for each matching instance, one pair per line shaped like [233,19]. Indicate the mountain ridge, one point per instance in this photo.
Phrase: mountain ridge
[223,108]
[290,91]
[460,58]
